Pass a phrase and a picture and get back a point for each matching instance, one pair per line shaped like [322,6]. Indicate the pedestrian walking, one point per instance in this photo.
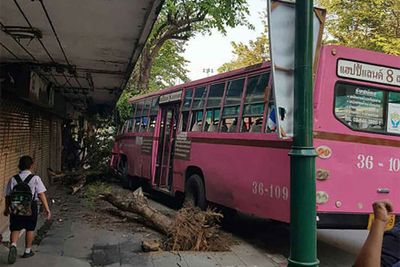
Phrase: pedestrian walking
[22,193]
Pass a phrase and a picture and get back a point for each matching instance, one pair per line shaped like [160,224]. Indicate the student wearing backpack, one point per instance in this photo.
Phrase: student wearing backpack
[22,193]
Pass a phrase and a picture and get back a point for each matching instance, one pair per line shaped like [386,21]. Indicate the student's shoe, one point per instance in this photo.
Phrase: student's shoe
[28,255]
[12,255]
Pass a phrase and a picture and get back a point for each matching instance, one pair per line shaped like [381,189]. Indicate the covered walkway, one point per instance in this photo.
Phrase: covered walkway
[59,62]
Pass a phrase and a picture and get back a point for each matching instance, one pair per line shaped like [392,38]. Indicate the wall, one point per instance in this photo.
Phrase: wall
[27,130]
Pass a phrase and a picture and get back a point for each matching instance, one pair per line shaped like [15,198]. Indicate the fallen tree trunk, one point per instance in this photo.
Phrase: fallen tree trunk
[129,216]
[190,229]
[79,185]
[140,206]
[61,176]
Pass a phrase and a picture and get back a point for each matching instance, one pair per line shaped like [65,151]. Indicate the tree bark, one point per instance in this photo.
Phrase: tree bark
[146,63]
[140,206]
[79,185]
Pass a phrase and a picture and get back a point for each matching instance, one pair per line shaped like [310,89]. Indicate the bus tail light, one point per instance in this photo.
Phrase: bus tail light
[322,174]
[322,197]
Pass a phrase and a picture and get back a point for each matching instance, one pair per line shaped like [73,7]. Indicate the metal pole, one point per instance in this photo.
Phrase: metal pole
[303,236]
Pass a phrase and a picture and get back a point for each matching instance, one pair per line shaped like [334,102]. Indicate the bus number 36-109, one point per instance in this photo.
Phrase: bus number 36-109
[272,191]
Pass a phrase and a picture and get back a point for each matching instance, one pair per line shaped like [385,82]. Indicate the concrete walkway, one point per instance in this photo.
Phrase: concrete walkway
[76,244]
[71,241]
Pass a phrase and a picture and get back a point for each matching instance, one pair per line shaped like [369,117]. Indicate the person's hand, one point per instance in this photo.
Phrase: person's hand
[47,213]
[382,209]
[6,212]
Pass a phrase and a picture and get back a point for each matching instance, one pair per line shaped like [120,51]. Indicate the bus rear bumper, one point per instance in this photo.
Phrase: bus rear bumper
[344,220]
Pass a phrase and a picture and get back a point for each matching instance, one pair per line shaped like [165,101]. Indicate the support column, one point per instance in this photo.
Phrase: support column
[303,236]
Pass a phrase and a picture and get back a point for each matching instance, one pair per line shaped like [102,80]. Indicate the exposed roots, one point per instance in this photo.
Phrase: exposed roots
[197,230]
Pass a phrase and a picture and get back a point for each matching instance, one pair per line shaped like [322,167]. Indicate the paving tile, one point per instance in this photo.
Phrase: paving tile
[199,259]
[167,259]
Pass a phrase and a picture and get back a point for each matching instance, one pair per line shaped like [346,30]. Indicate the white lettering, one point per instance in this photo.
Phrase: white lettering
[272,191]
[368,72]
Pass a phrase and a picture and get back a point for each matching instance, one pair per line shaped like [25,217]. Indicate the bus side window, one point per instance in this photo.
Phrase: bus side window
[125,127]
[213,110]
[187,102]
[153,114]
[145,119]
[129,126]
[254,103]
[362,108]
[138,116]
[132,128]
[271,118]
[197,119]
[232,106]
[197,109]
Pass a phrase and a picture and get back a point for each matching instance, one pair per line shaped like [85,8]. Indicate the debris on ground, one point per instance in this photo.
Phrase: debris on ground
[197,230]
[150,245]
[190,229]
[139,205]
[77,179]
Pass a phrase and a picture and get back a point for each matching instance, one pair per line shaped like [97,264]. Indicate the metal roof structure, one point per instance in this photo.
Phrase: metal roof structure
[86,48]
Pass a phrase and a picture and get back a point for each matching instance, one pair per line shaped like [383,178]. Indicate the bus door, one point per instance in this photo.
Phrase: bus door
[166,146]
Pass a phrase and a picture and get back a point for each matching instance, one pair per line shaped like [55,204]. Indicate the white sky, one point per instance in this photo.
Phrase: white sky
[214,50]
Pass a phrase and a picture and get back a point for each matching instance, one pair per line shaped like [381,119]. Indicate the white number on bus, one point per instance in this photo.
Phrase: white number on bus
[273,191]
[365,162]
[394,165]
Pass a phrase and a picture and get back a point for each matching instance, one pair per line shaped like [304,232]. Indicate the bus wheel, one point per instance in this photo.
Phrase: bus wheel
[195,193]
[124,174]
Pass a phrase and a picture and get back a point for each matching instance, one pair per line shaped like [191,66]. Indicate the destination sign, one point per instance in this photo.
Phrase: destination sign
[171,97]
[368,72]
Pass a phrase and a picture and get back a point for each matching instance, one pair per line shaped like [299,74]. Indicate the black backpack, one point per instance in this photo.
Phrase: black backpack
[21,197]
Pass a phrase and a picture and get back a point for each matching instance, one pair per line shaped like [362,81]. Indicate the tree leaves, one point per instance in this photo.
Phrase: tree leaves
[180,20]
[368,24]
[256,51]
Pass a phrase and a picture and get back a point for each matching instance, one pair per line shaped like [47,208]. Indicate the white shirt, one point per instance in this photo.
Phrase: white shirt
[35,184]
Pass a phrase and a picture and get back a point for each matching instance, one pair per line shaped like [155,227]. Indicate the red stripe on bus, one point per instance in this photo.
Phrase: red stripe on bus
[356,139]
[243,142]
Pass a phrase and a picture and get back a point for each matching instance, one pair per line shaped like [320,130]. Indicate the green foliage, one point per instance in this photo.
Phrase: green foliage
[169,66]
[98,143]
[123,107]
[368,24]
[92,192]
[249,54]
[161,63]
[179,20]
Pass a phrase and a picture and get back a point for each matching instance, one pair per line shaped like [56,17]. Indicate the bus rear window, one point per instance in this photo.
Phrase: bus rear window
[366,108]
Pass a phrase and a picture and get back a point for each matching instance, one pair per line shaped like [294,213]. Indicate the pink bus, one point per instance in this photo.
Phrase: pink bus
[214,140]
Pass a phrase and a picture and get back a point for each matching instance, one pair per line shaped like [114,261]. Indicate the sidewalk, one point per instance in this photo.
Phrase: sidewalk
[72,241]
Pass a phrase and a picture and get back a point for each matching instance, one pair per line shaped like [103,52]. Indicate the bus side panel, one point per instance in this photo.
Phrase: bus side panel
[129,148]
[253,180]
[359,174]
[146,166]
[114,156]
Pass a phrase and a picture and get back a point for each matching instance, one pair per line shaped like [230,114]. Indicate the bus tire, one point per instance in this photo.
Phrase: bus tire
[195,192]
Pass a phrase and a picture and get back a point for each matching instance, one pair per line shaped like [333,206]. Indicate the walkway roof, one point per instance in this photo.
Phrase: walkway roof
[86,48]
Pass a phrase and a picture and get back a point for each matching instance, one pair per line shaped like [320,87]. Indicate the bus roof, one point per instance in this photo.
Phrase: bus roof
[221,76]
[390,60]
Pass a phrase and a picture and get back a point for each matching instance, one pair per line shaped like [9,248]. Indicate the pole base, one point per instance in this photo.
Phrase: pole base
[293,263]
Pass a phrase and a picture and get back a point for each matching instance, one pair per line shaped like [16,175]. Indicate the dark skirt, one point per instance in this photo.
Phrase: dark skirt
[17,223]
